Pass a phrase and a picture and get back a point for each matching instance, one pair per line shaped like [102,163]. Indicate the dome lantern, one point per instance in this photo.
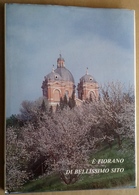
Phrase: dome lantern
[60,62]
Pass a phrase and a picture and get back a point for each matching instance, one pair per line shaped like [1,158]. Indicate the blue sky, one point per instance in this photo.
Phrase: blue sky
[100,39]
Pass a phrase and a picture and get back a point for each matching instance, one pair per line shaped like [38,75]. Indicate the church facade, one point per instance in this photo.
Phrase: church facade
[60,82]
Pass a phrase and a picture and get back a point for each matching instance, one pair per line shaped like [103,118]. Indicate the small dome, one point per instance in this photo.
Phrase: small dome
[60,62]
[88,78]
[60,58]
[65,74]
[53,76]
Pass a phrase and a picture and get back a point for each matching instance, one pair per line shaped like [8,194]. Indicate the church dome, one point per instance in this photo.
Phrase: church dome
[61,73]
[53,76]
[88,78]
[65,74]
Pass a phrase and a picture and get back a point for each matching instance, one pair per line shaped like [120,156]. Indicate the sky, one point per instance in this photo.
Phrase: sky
[101,40]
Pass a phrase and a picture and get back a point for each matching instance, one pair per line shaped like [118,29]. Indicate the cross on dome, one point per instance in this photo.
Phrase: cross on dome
[53,68]
[87,70]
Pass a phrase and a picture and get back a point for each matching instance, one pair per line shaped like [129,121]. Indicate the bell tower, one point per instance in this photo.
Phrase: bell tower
[88,88]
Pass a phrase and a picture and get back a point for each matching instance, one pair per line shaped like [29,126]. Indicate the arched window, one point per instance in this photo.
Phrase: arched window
[92,96]
[56,95]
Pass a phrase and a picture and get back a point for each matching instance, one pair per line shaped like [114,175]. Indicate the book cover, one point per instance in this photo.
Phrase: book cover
[70,98]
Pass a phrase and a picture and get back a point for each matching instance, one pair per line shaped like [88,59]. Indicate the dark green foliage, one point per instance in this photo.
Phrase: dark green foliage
[13,121]
[57,108]
[37,166]
[61,103]
[90,98]
[51,110]
[64,102]
[43,106]
[72,102]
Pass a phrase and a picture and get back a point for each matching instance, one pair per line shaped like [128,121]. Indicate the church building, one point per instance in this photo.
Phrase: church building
[60,82]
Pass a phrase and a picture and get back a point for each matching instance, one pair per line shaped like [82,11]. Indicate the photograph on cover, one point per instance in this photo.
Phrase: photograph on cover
[70,98]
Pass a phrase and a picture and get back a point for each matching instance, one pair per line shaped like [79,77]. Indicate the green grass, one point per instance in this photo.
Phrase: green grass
[96,181]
